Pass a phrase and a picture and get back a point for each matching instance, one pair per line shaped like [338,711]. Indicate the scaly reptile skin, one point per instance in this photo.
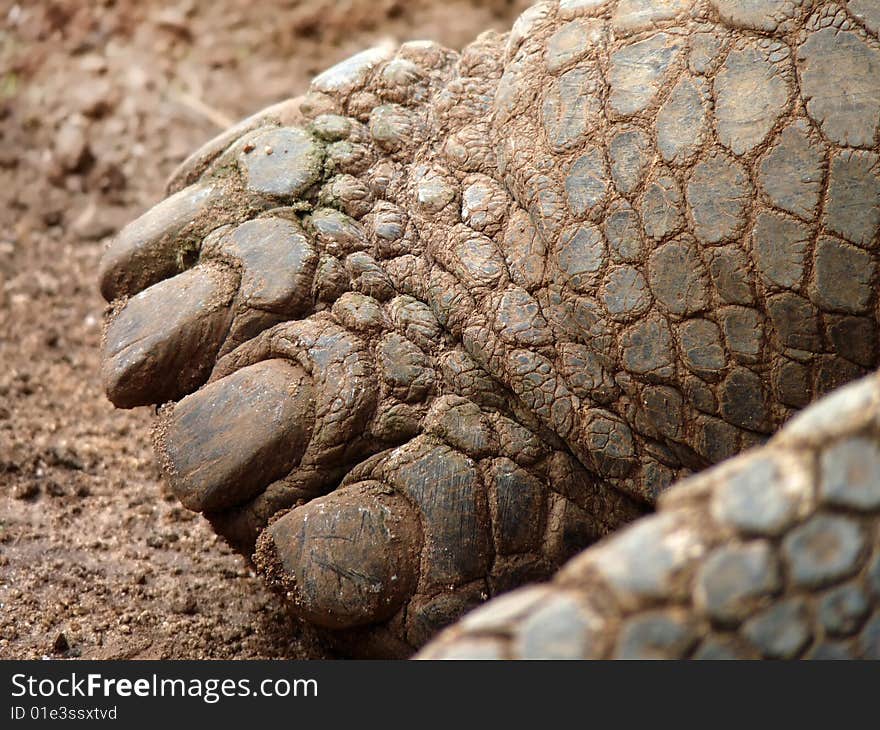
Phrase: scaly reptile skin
[774,554]
[430,329]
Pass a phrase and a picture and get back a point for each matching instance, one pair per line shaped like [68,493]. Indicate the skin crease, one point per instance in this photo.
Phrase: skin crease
[447,319]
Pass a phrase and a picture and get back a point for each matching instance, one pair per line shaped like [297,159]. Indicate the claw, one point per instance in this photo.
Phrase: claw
[163,342]
[153,247]
[347,559]
[225,443]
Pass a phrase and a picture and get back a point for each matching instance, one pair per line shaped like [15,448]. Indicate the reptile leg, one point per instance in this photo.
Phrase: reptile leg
[577,227]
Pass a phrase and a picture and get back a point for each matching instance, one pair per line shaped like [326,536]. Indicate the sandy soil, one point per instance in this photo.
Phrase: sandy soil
[99,100]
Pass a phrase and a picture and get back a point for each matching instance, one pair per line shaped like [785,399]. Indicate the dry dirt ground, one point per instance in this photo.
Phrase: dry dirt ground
[99,100]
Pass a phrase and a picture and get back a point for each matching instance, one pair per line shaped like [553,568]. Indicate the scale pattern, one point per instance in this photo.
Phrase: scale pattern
[774,554]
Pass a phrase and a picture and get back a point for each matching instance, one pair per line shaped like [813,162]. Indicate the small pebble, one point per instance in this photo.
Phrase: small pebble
[60,645]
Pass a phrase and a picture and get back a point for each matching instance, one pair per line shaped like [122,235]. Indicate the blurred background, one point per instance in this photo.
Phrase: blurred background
[99,101]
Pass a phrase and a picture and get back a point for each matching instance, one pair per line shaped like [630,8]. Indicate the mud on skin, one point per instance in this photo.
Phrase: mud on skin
[448,318]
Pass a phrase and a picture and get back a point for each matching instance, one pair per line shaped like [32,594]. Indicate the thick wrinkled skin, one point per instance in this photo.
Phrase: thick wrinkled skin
[773,554]
[428,330]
